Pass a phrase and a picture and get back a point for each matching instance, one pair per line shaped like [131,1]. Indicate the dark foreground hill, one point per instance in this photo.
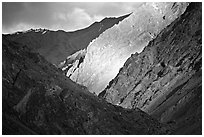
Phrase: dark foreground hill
[55,46]
[38,99]
[165,80]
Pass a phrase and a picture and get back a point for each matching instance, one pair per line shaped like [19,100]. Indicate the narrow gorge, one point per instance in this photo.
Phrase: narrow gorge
[135,74]
[106,54]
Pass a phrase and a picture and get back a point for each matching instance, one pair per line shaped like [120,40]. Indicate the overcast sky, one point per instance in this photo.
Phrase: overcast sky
[65,16]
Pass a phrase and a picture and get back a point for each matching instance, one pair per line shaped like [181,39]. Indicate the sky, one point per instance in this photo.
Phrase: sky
[68,16]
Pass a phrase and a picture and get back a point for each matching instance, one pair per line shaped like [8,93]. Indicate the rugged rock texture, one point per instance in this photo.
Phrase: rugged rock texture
[38,99]
[165,80]
[108,53]
[72,62]
[55,46]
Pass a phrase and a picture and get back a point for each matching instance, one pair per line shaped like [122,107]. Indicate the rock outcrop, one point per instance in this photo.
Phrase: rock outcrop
[55,46]
[165,79]
[72,62]
[38,99]
[108,53]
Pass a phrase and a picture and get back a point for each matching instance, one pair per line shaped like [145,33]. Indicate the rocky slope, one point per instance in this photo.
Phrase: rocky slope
[55,46]
[72,62]
[38,99]
[107,54]
[165,80]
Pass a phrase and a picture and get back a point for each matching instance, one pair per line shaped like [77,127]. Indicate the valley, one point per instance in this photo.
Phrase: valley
[137,74]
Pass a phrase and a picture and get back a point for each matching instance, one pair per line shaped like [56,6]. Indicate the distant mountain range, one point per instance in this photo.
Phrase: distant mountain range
[56,46]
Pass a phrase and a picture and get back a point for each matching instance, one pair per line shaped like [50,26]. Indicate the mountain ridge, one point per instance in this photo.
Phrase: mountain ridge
[55,46]
[156,91]
[106,54]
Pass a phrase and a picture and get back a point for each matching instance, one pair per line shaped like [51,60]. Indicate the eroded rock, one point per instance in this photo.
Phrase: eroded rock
[165,79]
[44,101]
[108,53]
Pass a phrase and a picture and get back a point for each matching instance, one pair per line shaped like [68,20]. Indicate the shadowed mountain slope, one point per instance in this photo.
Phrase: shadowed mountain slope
[165,80]
[157,91]
[38,99]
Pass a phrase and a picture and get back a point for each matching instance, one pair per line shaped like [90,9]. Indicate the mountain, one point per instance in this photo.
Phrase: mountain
[38,99]
[72,62]
[165,79]
[152,61]
[106,54]
[55,46]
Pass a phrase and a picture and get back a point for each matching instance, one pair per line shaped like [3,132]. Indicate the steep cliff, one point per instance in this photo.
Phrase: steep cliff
[165,79]
[38,99]
[72,62]
[108,53]
[55,46]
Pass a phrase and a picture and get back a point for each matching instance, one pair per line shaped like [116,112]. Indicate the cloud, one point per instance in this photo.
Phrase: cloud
[59,16]
[76,19]
[97,18]
[72,20]
[32,15]
[79,18]
[20,27]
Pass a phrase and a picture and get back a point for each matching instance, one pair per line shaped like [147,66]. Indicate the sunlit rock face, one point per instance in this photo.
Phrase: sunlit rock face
[72,62]
[165,79]
[107,54]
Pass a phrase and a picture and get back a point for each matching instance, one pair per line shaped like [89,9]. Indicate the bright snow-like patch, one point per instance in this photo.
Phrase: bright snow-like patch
[37,30]
[65,68]
[44,32]
[28,31]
